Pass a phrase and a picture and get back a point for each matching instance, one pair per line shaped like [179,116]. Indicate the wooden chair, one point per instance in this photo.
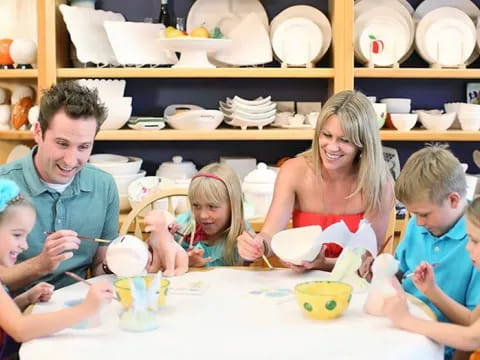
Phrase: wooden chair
[147,203]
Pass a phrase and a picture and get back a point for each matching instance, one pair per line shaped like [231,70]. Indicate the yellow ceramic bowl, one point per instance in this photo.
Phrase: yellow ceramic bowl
[122,287]
[323,300]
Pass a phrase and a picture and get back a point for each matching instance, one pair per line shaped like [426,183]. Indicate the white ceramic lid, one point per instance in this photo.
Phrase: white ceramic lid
[261,175]
[177,169]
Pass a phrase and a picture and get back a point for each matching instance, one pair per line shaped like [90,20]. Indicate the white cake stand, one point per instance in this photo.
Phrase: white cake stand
[194,50]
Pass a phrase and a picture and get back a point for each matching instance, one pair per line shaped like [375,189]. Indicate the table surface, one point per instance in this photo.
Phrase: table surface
[234,314]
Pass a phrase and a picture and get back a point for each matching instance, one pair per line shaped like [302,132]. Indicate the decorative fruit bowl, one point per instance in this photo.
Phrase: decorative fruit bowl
[194,50]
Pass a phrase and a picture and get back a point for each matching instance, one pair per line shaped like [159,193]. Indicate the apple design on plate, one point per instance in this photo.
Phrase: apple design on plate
[377,45]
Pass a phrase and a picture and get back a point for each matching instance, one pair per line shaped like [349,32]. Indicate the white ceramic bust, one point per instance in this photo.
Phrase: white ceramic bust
[384,283]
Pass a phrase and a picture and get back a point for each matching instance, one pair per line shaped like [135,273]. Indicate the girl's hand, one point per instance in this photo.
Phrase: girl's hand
[250,247]
[396,309]
[98,294]
[42,292]
[196,259]
[317,263]
[424,278]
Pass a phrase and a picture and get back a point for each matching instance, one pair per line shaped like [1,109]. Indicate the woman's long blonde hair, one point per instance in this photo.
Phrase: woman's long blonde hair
[359,123]
[227,190]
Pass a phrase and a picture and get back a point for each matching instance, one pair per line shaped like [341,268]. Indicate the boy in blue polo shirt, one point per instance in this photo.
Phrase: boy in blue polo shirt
[432,186]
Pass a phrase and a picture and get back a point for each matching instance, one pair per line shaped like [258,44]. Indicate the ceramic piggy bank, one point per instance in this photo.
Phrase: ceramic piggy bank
[384,283]
[127,256]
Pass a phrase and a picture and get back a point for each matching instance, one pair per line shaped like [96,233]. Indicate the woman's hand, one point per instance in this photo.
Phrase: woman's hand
[317,263]
[424,278]
[250,247]
[42,292]
[196,259]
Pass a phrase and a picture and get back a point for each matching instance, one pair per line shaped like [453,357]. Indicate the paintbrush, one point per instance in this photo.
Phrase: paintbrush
[434,265]
[385,244]
[86,238]
[263,254]
[83,281]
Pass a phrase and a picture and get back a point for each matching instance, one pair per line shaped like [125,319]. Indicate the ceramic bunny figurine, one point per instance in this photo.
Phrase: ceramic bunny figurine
[167,254]
[384,283]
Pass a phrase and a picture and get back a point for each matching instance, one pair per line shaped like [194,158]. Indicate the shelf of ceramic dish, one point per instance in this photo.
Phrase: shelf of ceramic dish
[265,134]
[195,73]
[18,73]
[361,72]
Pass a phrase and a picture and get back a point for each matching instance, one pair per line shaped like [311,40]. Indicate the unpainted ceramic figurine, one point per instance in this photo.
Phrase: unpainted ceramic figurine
[167,254]
[384,283]
[346,267]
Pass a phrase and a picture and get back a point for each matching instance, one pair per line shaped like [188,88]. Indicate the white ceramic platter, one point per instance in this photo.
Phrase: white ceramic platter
[466,6]
[87,33]
[297,41]
[245,123]
[446,36]
[404,3]
[308,12]
[210,13]
[134,43]
[194,50]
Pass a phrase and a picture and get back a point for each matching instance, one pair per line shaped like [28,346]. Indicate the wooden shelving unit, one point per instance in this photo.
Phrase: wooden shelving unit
[416,73]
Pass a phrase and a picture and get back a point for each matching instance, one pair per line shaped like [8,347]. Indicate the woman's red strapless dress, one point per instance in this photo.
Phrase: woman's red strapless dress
[303,218]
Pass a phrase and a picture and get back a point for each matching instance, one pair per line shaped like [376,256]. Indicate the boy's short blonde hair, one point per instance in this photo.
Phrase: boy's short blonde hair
[430,174]
[473,212]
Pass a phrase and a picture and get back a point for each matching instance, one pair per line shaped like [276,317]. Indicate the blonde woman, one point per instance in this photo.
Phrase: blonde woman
[211,229]
[342,177]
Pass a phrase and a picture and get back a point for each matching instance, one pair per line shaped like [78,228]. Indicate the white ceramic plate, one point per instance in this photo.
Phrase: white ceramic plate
[210,13]
[404,3]
[18,152]
[297,41]
[86,30]
[466,6]
[308,12]
[446,36]
[286,126]
[135,43]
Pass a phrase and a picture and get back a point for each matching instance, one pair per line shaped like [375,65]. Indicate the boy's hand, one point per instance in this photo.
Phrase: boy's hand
[196,259]
[396,309]
[98,294]
[424,278]
[42,292]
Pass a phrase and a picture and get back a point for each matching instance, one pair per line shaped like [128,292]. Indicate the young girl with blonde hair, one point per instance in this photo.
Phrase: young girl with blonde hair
[17,217]
[216,219]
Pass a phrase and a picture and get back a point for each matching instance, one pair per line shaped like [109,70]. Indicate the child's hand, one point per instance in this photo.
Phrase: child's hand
[424,278]
[98,294]
[42,292]
[196,259]
[250,247]
[396,309]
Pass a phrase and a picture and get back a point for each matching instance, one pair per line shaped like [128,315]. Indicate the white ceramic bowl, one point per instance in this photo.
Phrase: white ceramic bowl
[118,114]
[204,120]
[298,244]
[123,181]
[469,121]
[452,107]
[397,105]
[464,107]
[260,109]
[404,122]
[436,122]
[117,168]
[256,102]
[107,158]
[127,256]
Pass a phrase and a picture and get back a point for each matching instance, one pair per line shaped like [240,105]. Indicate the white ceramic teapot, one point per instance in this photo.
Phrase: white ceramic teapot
[258,188]
[177,169]
[127,256]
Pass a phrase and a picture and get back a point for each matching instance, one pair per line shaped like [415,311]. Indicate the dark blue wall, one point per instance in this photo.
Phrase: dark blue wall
[150,96]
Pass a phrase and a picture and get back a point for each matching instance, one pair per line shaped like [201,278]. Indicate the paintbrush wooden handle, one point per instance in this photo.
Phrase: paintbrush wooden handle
[78,278]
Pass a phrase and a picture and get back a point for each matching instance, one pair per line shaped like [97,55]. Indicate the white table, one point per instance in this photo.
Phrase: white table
[226,321]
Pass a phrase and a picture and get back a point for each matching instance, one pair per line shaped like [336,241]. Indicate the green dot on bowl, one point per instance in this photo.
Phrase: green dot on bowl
[349,298]
[308,307]
[331,305]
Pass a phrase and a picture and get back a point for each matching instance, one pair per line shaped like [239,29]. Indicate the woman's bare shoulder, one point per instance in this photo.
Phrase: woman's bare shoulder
[295,164]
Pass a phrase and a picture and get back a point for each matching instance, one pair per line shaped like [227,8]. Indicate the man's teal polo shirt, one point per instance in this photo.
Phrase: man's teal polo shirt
[89,206]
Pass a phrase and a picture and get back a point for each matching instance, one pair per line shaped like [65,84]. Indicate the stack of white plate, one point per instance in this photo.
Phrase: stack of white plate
[248,113]
[300,35]
[446,36]
[384,32]
[111,93]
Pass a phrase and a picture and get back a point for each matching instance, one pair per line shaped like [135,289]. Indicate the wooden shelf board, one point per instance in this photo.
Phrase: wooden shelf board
[266,134]
[15,74]
[426,73]
[195,73]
